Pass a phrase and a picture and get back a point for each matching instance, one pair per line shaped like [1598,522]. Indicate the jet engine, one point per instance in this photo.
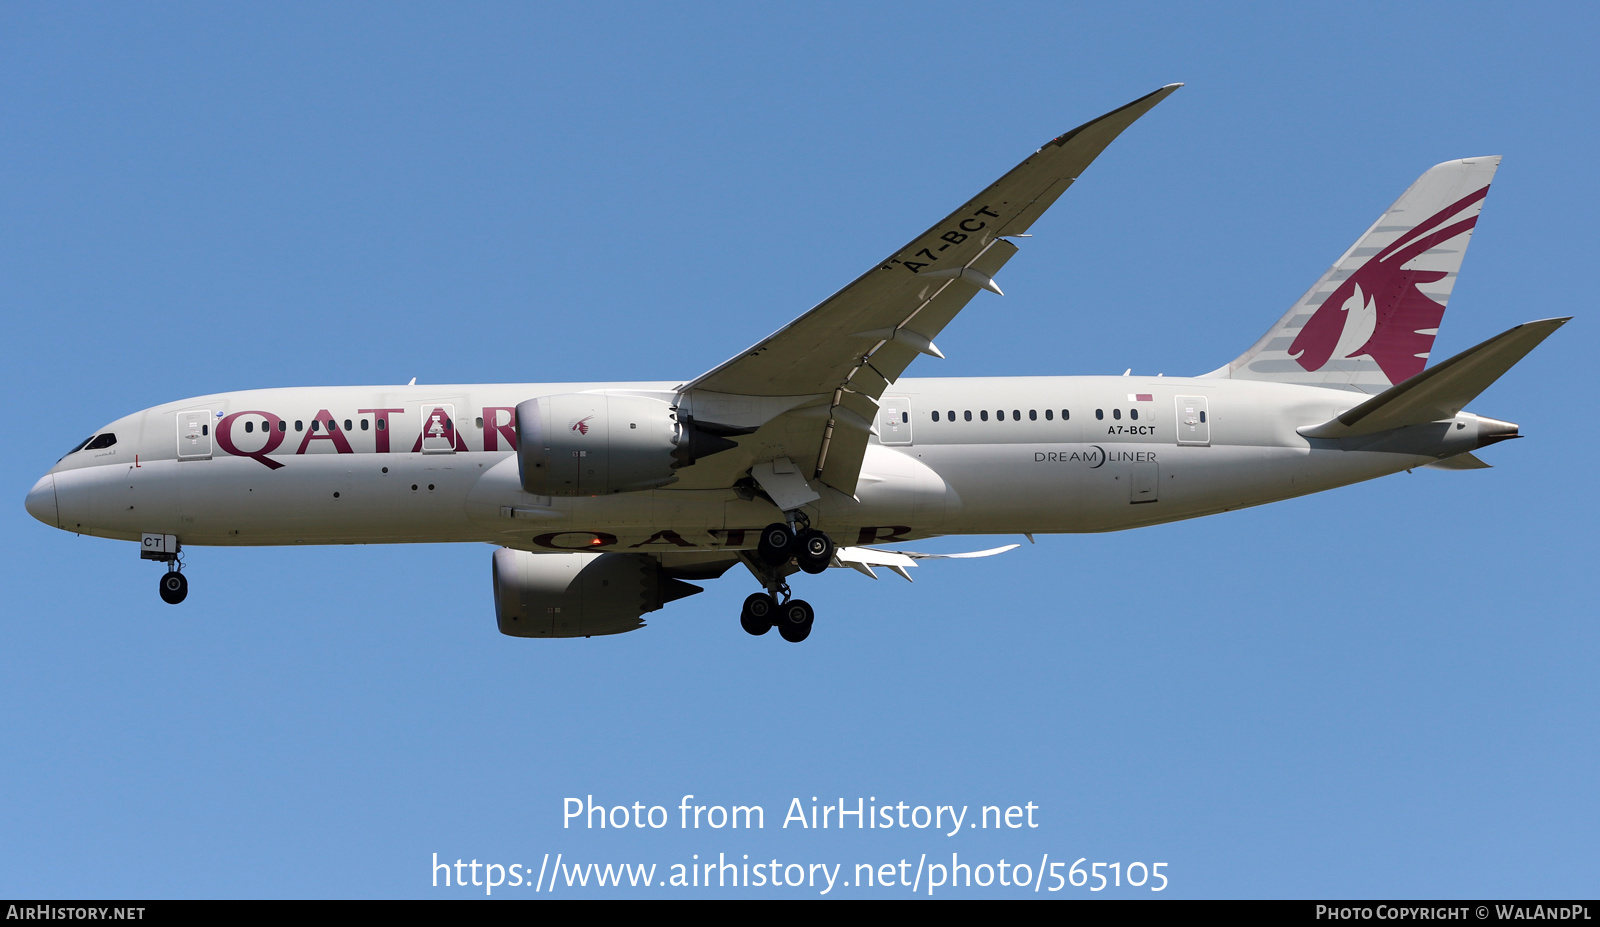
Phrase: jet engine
[593,444]
[579,594]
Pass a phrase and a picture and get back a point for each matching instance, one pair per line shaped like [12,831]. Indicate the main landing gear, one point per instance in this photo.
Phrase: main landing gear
[792,619]
[811,548]
[780,545]
[758,612]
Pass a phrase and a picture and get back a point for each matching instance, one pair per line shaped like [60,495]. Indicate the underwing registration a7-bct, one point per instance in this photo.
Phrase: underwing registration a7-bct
[810,450]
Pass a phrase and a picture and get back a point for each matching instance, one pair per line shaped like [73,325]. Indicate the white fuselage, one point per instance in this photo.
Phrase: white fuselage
[1024,454]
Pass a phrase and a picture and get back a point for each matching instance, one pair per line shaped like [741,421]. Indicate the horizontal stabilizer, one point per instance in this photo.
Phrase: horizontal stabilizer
[1460,462]
[1442,391]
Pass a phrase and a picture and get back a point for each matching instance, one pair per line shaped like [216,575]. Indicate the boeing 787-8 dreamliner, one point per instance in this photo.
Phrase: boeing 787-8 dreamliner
[809,449]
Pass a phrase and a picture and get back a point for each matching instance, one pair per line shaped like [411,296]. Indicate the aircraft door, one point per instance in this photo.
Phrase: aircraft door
[894,421]
[1194,426]
[439,434]
[194,434]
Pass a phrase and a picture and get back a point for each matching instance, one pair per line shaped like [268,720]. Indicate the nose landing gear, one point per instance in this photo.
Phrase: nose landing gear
[164,548]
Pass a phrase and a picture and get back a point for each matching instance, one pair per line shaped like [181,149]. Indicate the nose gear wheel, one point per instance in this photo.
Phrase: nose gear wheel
[174,587]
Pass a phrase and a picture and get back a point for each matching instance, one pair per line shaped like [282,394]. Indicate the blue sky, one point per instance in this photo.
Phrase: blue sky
[1386,690]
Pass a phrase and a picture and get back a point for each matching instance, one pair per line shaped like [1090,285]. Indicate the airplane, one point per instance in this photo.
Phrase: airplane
[809,450]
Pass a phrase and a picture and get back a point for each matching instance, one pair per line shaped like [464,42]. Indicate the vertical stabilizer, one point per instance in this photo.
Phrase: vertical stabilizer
[1370,321]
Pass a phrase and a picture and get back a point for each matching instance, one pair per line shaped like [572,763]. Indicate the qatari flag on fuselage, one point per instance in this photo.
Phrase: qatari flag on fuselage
[1141,397]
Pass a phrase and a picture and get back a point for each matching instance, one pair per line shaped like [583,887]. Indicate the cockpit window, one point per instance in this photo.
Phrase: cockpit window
[78,447]
[93,443]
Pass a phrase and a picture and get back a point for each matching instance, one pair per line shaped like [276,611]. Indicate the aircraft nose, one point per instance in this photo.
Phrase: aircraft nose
[42,501]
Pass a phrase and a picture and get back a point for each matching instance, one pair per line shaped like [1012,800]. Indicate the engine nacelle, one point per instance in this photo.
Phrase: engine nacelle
[593,444]
[579,594]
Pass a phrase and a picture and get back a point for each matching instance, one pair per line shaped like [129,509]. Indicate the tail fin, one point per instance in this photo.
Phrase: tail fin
[1370,321]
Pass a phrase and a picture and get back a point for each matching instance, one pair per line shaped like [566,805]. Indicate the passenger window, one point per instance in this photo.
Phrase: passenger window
[905,418]
[283,425]
[967,415]
[1202,417]
[984,414]
[299,425]
[347,425]
[1133,414]
[249,427]
[1049,416]
[363,424]
[936,416]
[1100,414]
[1064,415]
[205,429]
[952,414]
[1116,414]
[1033,415]
[382,425]
[479,420]
[316,425]
[1016,415]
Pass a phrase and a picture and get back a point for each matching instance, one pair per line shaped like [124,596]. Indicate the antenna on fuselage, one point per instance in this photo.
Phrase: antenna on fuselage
[413,382]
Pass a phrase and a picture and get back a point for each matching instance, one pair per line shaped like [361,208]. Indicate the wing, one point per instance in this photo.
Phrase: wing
[863,559]
[811,388]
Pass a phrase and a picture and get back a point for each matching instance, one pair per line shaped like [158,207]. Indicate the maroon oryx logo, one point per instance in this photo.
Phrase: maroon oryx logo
[1380,311]
[581,426]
